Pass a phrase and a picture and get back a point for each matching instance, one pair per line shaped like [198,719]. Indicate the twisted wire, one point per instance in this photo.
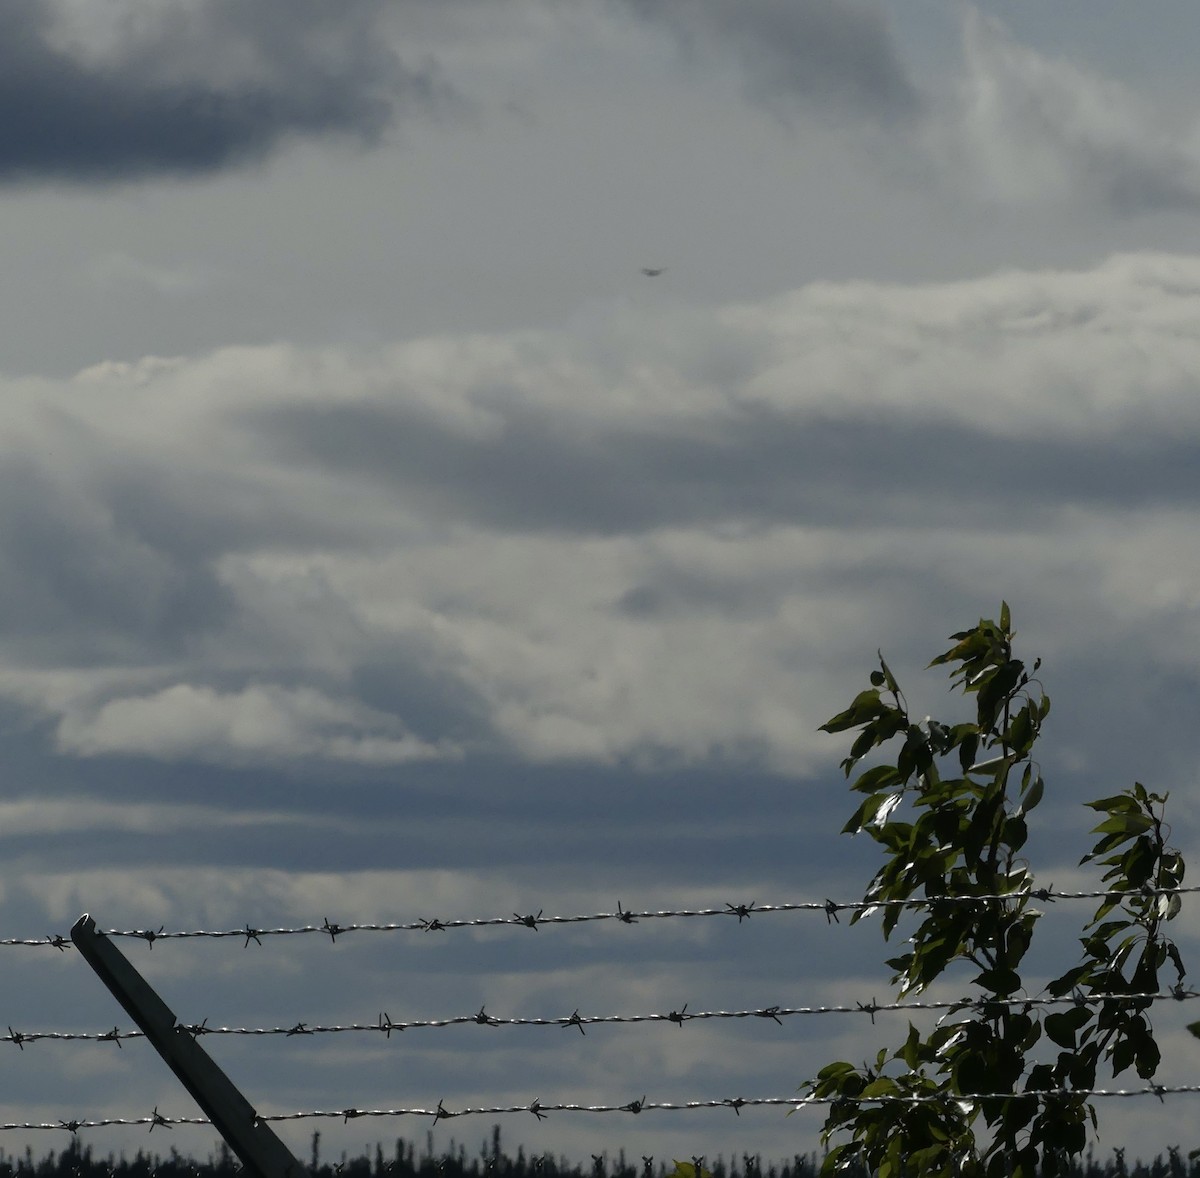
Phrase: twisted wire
[386,1025]
[830,908]
[540,1109]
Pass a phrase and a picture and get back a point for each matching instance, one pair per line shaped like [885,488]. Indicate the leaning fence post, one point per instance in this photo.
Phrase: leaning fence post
[254,1142]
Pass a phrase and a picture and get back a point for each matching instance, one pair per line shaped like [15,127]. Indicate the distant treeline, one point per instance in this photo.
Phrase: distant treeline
[490,1161]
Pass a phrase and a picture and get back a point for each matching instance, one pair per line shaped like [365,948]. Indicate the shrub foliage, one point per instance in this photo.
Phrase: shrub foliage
[998,1088]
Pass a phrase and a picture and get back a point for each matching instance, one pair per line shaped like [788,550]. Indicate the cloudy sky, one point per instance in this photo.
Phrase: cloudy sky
[378,543]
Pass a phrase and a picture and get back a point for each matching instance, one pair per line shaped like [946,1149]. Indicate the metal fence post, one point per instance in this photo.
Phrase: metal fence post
[253,1141]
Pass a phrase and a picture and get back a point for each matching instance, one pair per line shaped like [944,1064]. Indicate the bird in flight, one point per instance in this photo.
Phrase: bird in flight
[652,272]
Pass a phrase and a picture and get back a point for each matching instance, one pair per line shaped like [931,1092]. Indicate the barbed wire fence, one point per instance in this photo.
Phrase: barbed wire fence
[743,911]
[540,1109]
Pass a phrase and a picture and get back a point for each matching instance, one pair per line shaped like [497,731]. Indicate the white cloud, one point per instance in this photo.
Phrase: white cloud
[259,721]
[1025,355]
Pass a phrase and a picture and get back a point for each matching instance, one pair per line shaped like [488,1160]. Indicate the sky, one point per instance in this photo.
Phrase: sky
[378,543]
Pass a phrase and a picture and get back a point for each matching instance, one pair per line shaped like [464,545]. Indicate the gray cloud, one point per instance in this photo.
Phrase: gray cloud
[623,568]
[81,587]
[823,54]
[190,89]
[764,465]
[1019,126]
[592,548]
[1024,127]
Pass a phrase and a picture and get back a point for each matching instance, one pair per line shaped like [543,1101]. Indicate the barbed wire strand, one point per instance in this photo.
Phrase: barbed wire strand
[386,1025]
[540,1109]
[830,908]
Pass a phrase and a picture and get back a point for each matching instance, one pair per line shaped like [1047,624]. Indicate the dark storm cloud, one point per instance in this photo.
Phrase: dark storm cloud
[549,816]
[828,53]
[148,107]
[538,475]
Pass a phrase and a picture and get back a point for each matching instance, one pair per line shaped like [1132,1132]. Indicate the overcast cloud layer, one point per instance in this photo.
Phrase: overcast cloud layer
[538,535]
[378,543]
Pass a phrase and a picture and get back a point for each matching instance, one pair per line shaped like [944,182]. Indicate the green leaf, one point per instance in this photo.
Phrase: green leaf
[911,1051]
[1072,978]
[1138,864]
[881,777]
[1020,733]
[863,815]
[866,706]
[1117,802]
[833,1071]
[969,748]
[1063,1026]
[1170,869]
[688,1170]
[888,677]
[1125,825]
[1033,795]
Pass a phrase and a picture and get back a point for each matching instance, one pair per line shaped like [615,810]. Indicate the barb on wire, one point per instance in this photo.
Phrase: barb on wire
[541,1110]
[385,1024]
[830,909]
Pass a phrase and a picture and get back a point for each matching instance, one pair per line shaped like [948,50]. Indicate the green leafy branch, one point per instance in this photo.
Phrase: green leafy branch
[949,809]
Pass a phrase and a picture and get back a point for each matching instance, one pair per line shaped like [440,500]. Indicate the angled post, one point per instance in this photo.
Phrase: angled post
[254,1143]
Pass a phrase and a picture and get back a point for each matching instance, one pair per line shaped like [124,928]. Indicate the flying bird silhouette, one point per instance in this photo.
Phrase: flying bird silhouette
[651,272]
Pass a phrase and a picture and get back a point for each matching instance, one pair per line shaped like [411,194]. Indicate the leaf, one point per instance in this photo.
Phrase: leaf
[995,689]
[688,1170]
[1170,868]
[881,777]
[888,677]
[866,705]
[911,1051]
[1116,802]
[971,1074]
[1123,1054]
[1148,1058]
[1032,795]
[1176,960]
[968,748]
[1125,826]
[1138,863]
[1015,832]
[1069,980]
[1063,1026]
[999,981]
[833,1071]
[889,803]
[1020,733]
